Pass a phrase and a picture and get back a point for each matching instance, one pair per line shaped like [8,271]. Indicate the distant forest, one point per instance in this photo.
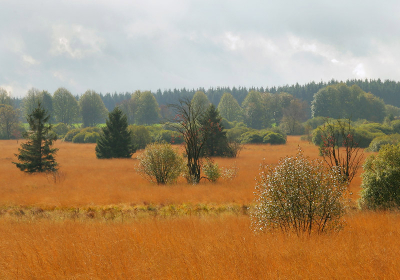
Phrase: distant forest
[388,91]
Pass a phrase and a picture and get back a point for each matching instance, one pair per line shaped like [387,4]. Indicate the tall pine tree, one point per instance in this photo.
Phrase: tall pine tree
[36,155]
[115,141]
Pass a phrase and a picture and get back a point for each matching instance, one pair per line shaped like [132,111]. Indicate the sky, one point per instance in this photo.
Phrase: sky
[123,46]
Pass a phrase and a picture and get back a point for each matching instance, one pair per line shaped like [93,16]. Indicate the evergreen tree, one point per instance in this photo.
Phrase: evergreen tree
[36,155]
[116,141]
[216,143]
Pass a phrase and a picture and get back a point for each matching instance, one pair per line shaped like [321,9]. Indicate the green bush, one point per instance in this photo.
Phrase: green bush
[381,179]
[299,195]
[379,142]
[91,137]
[169,136]
[395,126]
[211,170]
[234,134]
[79,138]
[60,129]
[274,138]
[71,134]
[160,163]
[376,128]
[140,136]
[252,137]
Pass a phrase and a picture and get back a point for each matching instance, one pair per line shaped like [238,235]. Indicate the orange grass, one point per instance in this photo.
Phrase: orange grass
[198,248]
[86,180]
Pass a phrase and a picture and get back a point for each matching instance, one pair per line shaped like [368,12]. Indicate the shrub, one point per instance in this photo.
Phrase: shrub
[91,137]
[376,128]
[381,179]
[299,195]
[71,134]
[211,170]
[79,138]
[160,163]
[274,138]
[251,137]
[140,136]
[379,142]
[395,126]
[169,136]
[60,129]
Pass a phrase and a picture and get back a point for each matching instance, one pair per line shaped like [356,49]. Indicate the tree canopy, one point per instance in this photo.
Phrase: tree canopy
[92,109]
[65,105]
[229,108]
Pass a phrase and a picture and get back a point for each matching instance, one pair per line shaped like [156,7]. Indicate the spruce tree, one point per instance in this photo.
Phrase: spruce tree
[216,144]
[36,155]
[115,141]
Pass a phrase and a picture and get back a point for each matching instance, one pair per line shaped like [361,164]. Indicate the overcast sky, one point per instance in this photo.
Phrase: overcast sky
[124,46]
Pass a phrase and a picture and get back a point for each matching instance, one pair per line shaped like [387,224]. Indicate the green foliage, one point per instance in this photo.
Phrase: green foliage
[274,138]
[299,195]
[376,128]
[169,136]
[381,179]
[341,101]
[234,134]
[80,137]
[36,155]
[116,140]
[92,109]
[395,126]
[71,134]
[200,101]
[362,136]
[379,142]
[140,136]
[263,136]
[253,110]
[216,143]
[145,108]
[61,129]
[211,170]
[65,106]
[252,137]
[9,122]
[229,108]
[91,137]
[5,98]
[160,163]
[315,122]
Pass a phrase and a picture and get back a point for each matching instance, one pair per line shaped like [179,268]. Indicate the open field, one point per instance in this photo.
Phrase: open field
[197,248]
[101,220]
[86,180]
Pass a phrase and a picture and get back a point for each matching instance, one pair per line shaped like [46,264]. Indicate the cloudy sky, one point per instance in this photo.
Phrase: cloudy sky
[124,46]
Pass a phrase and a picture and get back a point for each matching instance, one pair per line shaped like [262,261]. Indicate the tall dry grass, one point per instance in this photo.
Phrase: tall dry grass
[198,248]
[85,180]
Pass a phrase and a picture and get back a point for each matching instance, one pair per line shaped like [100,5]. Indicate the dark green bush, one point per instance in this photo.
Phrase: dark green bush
[395,126]
[251,137]
[274,138]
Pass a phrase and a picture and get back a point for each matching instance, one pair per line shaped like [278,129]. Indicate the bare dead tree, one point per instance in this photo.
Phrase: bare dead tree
[339,148]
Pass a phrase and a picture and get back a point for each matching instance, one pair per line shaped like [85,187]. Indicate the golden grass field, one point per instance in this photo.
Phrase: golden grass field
[75,228]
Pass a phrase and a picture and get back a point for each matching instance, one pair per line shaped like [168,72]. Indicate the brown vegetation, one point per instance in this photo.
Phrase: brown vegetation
[85,180]
[197,248]
[101,220]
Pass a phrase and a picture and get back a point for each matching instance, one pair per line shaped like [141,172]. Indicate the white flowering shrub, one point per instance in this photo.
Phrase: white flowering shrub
[229,173]
[160,163]
[299,195]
